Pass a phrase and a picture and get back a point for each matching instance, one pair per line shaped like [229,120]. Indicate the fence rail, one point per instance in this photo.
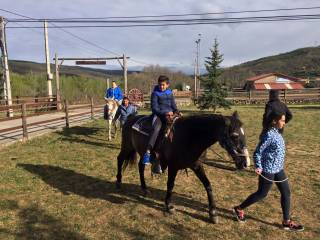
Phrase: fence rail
[26,110]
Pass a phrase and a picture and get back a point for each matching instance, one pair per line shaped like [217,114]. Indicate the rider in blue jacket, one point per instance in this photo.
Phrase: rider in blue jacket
[114,92]
[162,105]
[125,110]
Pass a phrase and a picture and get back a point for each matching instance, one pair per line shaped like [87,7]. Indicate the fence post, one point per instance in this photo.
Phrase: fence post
[92,109]
[66,108]
[24,121]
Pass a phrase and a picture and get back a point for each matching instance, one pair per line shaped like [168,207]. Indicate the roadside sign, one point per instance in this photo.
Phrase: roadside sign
[98,62]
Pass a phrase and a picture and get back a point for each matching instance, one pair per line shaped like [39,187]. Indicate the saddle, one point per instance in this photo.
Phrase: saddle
[144,126]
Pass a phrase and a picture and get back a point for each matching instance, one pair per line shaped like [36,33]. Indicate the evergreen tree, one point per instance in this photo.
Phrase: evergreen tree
[214,95]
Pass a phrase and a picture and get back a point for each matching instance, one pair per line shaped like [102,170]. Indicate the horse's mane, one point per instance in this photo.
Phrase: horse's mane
[203,121]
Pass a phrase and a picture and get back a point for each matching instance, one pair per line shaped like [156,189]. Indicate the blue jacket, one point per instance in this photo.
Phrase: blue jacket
[162,102]
[124,112]
[115,93]
[270,152]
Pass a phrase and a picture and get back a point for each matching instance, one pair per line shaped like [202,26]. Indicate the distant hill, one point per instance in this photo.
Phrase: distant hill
[302,62]
[24,67]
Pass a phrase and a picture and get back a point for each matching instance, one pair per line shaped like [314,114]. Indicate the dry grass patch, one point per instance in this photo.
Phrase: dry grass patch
[61,186]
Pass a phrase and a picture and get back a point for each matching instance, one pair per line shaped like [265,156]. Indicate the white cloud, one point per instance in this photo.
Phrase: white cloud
[172,46]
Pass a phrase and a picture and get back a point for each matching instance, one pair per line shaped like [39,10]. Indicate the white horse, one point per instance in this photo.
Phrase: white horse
[111,108]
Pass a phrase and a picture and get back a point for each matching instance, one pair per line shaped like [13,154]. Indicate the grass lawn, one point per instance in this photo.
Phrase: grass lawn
[61,186]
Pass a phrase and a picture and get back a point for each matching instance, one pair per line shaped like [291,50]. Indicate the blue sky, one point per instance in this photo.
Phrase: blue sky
[167,46]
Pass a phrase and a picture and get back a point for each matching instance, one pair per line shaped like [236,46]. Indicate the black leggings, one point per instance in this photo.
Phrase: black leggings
[156,125]
[263,189]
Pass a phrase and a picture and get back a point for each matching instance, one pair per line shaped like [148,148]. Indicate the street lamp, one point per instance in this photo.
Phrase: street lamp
[197,71]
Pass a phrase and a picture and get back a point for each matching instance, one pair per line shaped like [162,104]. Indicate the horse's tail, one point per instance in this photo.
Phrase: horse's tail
[128,152]
[131,159]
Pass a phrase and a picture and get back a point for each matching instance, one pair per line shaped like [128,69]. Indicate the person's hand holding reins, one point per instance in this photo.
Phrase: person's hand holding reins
[258,171]
[169,117]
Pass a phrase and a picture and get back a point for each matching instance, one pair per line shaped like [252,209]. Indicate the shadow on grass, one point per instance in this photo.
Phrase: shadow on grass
[85,135]
[218,165]
[80,130]
[35,223]
[134,234]
[68,181]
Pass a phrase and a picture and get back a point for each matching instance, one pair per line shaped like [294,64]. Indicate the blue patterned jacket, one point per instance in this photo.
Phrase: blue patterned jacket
[270,152]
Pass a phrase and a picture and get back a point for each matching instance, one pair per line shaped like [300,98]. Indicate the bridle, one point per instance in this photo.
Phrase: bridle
[226,143]
[112,103]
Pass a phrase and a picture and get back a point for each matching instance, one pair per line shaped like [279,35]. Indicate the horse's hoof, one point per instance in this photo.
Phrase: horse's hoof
[118,185]
[214,219]
[170,209]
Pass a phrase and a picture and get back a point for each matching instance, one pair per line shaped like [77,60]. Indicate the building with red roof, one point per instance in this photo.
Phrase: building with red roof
[276,81]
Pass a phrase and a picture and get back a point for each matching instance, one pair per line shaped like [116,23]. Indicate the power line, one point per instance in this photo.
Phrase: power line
[58,38]
[56,26]
[181,15]
[302,16]
[197,22]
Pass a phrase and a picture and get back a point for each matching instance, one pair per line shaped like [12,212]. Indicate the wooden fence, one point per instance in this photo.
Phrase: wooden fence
[307,95]
[25,110]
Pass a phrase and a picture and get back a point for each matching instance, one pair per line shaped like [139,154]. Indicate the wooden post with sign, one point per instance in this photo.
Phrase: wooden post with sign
[103,61]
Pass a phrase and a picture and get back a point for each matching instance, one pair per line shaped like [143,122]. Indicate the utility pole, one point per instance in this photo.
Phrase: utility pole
[49,75]
[197,79]
[125,77]
[6,74]
[108,83]
[58,94]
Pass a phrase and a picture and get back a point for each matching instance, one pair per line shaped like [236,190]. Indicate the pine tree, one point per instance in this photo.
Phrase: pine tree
[214,95]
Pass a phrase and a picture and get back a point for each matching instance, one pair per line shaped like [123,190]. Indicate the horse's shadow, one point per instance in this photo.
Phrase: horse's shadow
[68,181]
[86,135]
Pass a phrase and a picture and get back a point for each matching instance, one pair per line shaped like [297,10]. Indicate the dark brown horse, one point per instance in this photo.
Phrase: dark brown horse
[191,137]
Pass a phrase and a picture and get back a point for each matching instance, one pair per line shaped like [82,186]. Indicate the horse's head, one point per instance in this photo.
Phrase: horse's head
[234,141]
[111,106]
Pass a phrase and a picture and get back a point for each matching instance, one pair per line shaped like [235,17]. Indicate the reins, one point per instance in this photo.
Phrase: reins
[264,177]
[274,181]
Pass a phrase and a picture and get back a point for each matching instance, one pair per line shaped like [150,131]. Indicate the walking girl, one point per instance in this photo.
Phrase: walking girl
[269,158]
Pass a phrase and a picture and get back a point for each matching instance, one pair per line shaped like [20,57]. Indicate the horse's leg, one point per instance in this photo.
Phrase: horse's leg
[172,173]
[119,174]
[109,129]
[142,180]
[115,129]
[199,171]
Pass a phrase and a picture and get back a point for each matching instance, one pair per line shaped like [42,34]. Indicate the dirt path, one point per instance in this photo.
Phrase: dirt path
[9,137]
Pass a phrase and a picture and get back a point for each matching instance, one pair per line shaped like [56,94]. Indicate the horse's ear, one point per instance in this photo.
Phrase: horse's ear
[235,115]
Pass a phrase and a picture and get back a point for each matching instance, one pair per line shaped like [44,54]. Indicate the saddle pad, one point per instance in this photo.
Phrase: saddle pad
[143,125]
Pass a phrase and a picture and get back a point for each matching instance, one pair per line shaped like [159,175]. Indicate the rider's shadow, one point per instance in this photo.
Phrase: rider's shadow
[70,182]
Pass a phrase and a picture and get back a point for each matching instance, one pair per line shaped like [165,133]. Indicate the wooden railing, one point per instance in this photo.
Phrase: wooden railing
[25,110]
[307,95]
